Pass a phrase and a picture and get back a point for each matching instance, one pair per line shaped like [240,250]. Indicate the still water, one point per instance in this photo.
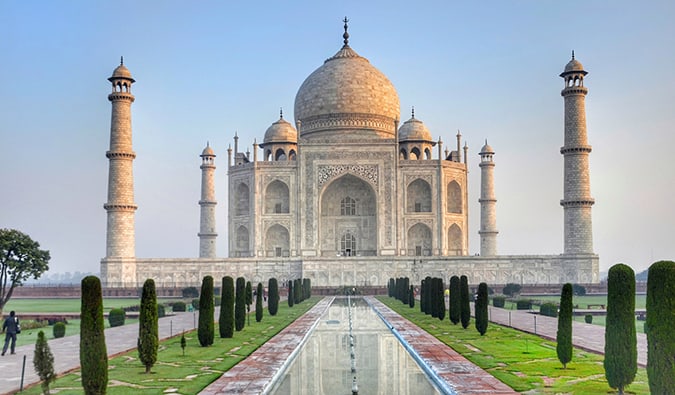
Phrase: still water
[324,365]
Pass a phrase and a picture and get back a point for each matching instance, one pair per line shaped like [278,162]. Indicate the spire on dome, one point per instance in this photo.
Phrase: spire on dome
[346,35]
[281,113]
[572,54]
[413,112]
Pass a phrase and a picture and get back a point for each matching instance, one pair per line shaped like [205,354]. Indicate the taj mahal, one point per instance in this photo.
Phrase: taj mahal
[348,194]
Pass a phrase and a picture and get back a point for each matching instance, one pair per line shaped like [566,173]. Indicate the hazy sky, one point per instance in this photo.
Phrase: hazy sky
[205,69]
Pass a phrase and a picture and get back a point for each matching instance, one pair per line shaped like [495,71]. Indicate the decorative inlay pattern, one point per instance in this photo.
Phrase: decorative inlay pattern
[328,172]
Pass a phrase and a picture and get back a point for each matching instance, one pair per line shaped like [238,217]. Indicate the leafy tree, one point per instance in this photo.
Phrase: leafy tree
[273,296]
[240,304]
[455,300]
[465,306]
[148,329]
[511,289]
[258,303]
[249,300]
[620,338]
[481,307]
[205,328]
[564,334]
[43,361]
[93,352]
[291,296]
[20,259]
[659,327]
[226,319]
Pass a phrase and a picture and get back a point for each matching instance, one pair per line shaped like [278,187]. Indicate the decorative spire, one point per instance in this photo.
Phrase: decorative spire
[413,112]
[207,143]
[121,60]
[572,54]
[346,35]
[281,113]
[458,133]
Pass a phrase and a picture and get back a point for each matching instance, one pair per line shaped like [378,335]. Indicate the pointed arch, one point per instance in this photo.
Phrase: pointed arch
[242,246]
[280,154]
[277,200]
[242,200]
[418,197]
[419,240]
[454,198]
[291,154]
[403,154]
[415,154]
[277,241]
[455,240]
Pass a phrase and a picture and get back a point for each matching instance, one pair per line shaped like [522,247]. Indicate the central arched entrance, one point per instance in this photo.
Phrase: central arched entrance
[348,218]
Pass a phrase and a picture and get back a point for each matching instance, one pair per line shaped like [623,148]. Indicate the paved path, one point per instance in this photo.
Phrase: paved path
[66,350]
[585,336]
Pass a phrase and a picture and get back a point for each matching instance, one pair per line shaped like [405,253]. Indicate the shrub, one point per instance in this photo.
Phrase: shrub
[43,361]
[511,289]
[240,304]
[93,352]
[226,319]
[660,324]
[499,301]
[178,306]
[217,301]
[190,292]
[523,304]
[481,307]
[579,289]
[455,302]
[620,337]
[465,315]
[161,311]
[205,329]
[148,330]
[195,304]
[588,318]
[259,303]
[116,317]
[564,334]
[273,296]
[548,309]
[59,330]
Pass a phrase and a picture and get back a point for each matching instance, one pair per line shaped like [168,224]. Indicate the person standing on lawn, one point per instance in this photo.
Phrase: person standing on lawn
[11,328]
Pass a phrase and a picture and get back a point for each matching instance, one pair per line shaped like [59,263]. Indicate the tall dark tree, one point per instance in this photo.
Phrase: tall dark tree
[249,300]
[564,334]
[423,301]
[465,303]
[43,362]
[240,304]
[440,298]
[481,307]
[148,329]
[411,297]
[93,351]
[273,296]
[291,295]
[659,327]
[433,297]
[259,303]
[226,318]
[620,338]
[205,329]
[455,300]
[20,259]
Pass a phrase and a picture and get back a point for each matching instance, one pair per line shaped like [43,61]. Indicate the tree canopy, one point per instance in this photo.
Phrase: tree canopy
[20,259]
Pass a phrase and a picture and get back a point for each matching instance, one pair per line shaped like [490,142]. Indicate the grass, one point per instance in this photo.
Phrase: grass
[525,362]
[69,305]
[29,336]
[187,374]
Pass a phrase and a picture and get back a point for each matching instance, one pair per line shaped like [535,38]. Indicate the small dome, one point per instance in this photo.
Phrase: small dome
[121,71]
[574,65]
[413,130]
[486,149]
[281,132]
[208,151]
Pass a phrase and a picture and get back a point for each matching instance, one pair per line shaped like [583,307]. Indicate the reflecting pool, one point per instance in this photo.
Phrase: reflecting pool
[324,364]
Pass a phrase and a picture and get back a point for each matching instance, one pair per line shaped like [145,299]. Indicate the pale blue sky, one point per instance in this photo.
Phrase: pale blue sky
[207,69]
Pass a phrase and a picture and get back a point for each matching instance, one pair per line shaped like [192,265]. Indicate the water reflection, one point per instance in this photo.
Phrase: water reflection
[383,366]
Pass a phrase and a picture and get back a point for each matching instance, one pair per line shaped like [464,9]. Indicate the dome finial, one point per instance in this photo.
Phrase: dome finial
[281,113]
[572,54]
[346,35]
[121,60]
[413,112]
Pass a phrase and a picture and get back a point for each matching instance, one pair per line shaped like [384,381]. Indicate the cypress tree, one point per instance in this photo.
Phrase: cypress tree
[240,304]
[564,334]
[433,297]
[43,361]
[259,303]
[659,327]
[465,306]
[291,295]
[440,297]
[297,294]
[249,300]
[455,301]
[423,307]
[226,319]
[273,296]
[411,297]
[404,290]
[93,352]
[148,330]
[620,338]
[481,307]
[205,328]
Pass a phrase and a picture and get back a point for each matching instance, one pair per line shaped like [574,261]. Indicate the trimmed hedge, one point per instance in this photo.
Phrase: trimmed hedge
[548,309]
[59,330]
[178,306]
[116,317]
[499,301]
[523,304]
[588,318]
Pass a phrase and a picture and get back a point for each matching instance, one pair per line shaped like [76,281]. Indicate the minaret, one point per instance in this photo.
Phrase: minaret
[577,200]
[207,218]
[488,203]
[118,268]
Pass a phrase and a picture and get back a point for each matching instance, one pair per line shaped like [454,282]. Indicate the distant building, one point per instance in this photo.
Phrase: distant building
[349,195]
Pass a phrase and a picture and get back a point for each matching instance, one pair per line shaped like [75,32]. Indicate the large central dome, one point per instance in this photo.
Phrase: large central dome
[345,95]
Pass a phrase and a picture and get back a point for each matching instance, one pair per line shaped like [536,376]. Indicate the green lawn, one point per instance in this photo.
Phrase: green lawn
[527,363]
[69,305]
[187,374]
